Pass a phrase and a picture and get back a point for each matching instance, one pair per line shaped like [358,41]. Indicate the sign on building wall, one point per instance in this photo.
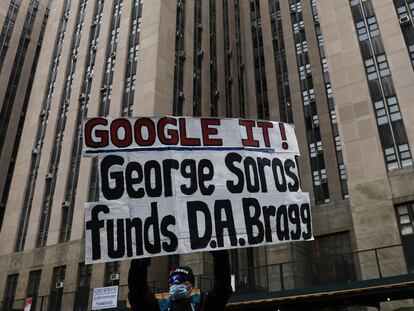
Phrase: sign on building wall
[105,297]
[171,185]
[28,304]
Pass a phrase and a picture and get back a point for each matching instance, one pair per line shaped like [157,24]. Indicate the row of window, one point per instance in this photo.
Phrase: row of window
[317,161]
[12,163]
[106,87]
[132,59]
[130,75]
[178,98]
[68,205]
[198,57]
[111,53]
[7,29]
[51,176]
[54,301]
[405,12]
[228,54]
[279,52]
[41,130]
[16,72]
[391,128]
[240,62]
[259,61]
[330,101]
[198,54]
[214,93]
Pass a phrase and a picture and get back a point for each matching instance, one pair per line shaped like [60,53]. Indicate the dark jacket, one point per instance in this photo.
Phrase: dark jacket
[142,298]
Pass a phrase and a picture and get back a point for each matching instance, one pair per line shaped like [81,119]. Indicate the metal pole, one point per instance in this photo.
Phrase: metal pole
[378,265]
[282,282]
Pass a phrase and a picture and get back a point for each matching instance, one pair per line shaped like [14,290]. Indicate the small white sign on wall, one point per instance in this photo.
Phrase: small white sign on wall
[105,297]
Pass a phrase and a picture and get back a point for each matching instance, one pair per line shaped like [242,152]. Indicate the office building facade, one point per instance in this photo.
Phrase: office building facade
[340,71]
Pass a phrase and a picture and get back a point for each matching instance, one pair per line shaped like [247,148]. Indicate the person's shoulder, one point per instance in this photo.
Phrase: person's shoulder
[164,304]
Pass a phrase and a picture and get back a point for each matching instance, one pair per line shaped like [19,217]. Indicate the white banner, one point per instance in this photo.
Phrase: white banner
[105,297]
[104,135]
[171,185]
[171,202]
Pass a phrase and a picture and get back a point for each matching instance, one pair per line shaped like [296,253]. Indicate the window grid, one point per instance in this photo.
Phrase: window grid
[180,55]
[56,292]
[214,93]
[227,61]
[259,61]
[83,287]
[132,60]
[390,124]
[22,119]
[10,291]
[8,29]
[405,13]
[198,55]
[16,71]
[41,131]
[330,101]
[405,218]
[240,67]
[110,269]
[53,167]
[33,286]
[282,78]
[68,205]
[111,53]
[321,191]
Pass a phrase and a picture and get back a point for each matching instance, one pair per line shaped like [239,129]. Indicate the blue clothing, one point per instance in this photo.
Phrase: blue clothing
[166,303]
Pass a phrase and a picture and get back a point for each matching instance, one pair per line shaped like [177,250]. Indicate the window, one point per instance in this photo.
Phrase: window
[8,29]
[405,155]
[338,146]
[362,31]
[10,291]
[53,165]
[296,7]
[301,47]
[40,133]
[373,27]
[383,65]
[330,98]
[315,149]
[405,220]
[393,109]
[112,273]
[56,288]
[298,27]
[33,287]
[83,287]
[391,128]
[180,56]
[371,70]
[308,96]
[319,177]
[259,62]
[283,87]
[304,71]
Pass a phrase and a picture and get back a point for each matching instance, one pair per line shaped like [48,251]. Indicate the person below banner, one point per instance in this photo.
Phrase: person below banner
[181,284]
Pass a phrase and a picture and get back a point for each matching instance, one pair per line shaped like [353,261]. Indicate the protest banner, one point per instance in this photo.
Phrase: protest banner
[169,186]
